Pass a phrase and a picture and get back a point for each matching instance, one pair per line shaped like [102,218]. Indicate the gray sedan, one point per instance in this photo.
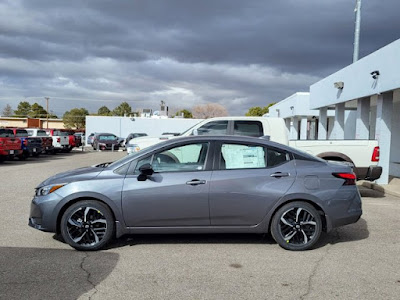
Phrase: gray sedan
[200,184]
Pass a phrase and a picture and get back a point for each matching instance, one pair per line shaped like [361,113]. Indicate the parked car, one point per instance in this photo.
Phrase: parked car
[60,139]
[10,146]
[31,146]
[81,135]
[133,136]
[363,155]
[73,140]
[47,141]
[209,184]
[90,139]
[105,141]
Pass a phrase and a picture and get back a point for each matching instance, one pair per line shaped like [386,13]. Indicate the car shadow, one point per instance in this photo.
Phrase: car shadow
[149,239]
[349,233]
[370,193]
[36,273]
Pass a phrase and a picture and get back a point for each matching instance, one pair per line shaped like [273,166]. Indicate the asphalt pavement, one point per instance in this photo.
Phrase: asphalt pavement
[359,261]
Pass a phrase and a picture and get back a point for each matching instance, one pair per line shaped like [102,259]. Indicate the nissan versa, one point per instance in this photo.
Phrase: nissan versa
[200,184]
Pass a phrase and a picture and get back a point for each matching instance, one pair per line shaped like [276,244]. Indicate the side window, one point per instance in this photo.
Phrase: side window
[248,128]
[276,157]
[213,128]
[235,156]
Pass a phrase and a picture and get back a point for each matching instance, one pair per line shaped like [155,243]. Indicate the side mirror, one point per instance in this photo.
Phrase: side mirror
[146,170]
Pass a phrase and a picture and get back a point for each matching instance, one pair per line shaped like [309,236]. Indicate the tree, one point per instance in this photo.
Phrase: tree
[257,111]
[37,111]
[23,109]
[76,118]
[186,114]
[104,111]
[123,109]
[209,110]
[7,111]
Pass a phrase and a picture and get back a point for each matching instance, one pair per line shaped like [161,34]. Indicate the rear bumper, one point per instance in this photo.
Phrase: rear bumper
[10,152]
[370,173]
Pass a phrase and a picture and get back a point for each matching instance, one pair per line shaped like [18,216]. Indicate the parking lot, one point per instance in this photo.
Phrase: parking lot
[358,261]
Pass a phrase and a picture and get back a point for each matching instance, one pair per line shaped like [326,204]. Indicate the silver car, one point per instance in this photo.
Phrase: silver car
[200,184]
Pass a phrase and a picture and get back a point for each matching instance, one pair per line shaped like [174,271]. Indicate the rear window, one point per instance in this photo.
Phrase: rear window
[30,132]
[41,133]
[6,132]
[21,133]
[107,137]
[60,133]
[248,128]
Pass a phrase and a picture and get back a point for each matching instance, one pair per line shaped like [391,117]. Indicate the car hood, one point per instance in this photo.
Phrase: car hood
[73,175]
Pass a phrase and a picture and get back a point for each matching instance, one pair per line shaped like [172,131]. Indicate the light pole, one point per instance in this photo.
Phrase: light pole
[357,11]
[47,111]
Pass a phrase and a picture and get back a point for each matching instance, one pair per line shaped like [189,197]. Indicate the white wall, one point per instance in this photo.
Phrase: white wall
[395,143]
[122,126]
[358,82]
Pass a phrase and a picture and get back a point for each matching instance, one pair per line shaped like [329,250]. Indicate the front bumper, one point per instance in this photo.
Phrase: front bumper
[44,211]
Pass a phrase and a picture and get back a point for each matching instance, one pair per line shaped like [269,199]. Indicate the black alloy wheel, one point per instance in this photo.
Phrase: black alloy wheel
[87,225]
[296,226]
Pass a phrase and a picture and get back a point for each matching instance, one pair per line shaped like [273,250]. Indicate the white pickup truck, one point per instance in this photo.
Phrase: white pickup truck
[363,155]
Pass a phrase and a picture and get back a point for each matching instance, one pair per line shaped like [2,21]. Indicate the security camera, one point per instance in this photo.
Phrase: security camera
[339,85]
[375,74]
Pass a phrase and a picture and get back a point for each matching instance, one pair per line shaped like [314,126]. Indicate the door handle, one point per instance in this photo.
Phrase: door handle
[280,174]
[195,182]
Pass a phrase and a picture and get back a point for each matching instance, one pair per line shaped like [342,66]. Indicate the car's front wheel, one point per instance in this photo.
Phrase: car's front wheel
[87,225]
[296,226]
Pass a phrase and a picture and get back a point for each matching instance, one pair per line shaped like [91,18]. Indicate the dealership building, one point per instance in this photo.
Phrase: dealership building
[360,101]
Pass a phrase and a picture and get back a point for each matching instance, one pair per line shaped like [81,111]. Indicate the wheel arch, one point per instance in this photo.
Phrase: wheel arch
[74,200]
[336,156]
[325,225]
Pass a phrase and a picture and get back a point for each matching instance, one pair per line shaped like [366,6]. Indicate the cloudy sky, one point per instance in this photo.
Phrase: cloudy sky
[186,52]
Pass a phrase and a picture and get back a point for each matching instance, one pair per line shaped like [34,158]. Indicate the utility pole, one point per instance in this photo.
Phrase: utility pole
[47,110]
[357,11]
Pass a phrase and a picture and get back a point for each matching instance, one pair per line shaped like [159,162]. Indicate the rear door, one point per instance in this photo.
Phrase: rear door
[248,179]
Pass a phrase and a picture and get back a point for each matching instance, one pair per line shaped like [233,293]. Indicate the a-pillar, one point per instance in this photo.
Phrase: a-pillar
[323,123]
[294,128]
[383,133]
[303,128]
[338,127]
[362,121]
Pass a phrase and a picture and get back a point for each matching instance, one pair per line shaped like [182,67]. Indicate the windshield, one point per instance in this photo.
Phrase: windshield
[190,129]
[107,137]
[6,133]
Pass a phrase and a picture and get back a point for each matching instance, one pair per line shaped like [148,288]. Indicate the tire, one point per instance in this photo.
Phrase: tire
[21,156]
[296,226]
[90,234]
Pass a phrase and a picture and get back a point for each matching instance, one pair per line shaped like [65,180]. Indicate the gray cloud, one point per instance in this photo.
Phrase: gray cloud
[237,53]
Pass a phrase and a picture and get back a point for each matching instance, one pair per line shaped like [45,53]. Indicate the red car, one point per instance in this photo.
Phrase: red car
[74,141]
[10,146]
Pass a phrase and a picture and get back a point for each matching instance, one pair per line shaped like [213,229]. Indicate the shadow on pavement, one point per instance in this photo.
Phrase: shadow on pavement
[366,192]
[35,273]
[349,233]
[132,240]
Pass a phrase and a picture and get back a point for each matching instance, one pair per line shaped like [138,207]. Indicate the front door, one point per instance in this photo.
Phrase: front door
[175,195]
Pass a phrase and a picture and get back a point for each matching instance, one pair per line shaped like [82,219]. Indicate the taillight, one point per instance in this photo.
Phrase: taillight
[349,178]
[375,154]
[58,140]
[26,142]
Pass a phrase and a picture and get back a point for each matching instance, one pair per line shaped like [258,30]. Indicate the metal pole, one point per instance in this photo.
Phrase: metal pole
[357,11]
[47,110]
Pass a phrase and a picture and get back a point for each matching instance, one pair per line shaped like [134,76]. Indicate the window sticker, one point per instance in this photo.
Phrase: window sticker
[243,156]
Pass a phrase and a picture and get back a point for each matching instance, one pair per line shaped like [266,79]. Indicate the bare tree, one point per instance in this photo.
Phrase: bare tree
[209,110]
[7,111]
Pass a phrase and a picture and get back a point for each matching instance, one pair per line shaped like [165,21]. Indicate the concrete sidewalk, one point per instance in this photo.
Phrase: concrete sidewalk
[393,188]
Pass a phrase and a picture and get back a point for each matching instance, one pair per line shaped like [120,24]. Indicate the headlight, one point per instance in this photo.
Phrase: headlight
[48,189]
[133,148]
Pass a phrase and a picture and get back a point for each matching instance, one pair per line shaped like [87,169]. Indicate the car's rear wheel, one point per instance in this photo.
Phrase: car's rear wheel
[296,226]
[87,225]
